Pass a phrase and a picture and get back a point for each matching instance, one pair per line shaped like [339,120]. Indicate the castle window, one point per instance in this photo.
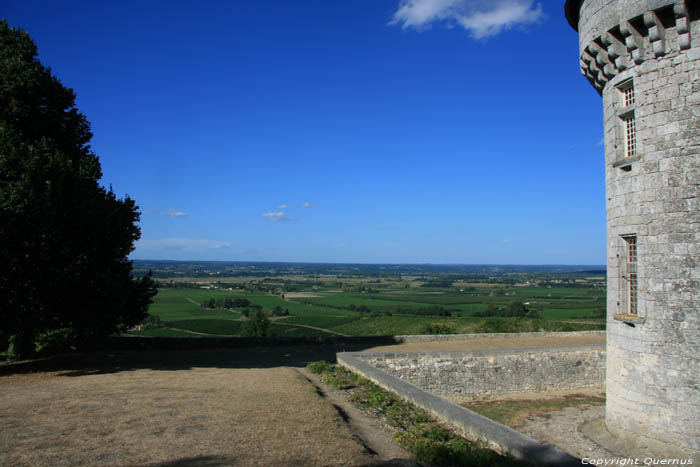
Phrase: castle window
[630,274]
[627,133]
[627,92]
[630,129]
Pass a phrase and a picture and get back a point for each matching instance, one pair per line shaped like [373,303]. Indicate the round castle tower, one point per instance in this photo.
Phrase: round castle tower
[643,58]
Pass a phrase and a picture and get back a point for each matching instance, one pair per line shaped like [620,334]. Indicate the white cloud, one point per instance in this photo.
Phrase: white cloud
[181,244]
[277,216]
[174,213]
[306,205]
[482,18]
[282,206]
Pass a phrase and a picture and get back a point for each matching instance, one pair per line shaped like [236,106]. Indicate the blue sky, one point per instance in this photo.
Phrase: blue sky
[381,131]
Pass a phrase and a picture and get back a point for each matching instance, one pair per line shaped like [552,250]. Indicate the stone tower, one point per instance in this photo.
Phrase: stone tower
[643,58]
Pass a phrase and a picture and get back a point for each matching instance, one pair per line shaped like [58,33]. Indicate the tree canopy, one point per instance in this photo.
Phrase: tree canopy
[64,239]
[257,325]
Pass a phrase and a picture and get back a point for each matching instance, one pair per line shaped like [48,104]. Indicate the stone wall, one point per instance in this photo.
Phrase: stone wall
[497,335]
[488,373]
[471,425]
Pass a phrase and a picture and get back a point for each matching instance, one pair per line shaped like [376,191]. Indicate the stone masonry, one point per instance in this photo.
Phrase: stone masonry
[495,335]
[643,58]
[487,373]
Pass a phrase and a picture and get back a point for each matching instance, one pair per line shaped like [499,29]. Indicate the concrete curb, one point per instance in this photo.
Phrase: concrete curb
[473,426]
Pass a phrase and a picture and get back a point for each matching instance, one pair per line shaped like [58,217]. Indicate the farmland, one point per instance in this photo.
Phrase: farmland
[375,302]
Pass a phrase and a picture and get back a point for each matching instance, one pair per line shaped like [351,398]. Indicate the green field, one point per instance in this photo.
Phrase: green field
[385,311]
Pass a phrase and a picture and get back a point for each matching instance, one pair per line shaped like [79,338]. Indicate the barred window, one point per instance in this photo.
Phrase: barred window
[630,274]
[628,125]
[628,95]
[630,136]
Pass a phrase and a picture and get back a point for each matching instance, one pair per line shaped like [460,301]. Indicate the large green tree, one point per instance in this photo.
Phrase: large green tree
[257,325]
[64,239]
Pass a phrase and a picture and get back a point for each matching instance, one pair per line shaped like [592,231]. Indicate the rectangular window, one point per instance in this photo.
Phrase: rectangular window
[630,136]
[627,93]
[628,96]
[626,132]
[630,274]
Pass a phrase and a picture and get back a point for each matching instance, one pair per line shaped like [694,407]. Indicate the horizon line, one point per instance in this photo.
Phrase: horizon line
[368,263]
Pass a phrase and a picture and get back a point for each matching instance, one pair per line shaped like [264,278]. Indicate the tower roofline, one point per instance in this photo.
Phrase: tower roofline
[571,9]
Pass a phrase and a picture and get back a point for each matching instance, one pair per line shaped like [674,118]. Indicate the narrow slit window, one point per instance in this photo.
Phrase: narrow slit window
[630,273]
[630,136]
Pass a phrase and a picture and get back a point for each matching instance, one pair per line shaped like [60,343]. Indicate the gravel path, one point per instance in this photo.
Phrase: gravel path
[562,429]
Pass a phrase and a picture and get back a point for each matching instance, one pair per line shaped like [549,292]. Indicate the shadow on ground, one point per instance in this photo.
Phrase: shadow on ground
[200,461]
[254,356]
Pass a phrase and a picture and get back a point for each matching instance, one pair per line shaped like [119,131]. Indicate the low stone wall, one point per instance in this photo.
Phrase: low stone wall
[473,426]
[495,372]
[500,335]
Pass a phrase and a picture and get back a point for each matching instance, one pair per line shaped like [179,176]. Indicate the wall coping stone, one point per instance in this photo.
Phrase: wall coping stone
[474,426]
[500,335]
[457,353]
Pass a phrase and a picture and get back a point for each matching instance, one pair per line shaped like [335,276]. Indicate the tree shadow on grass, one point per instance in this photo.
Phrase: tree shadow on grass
[200,461]
[218,461]
[255,356]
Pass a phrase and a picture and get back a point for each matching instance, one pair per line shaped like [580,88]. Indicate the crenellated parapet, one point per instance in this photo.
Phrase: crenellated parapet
[619,45]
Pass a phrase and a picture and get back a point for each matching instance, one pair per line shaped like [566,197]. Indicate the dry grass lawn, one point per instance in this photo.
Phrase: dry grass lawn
[186,408]
[150,415]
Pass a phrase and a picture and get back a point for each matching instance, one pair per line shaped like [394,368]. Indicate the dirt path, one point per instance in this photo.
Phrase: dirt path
[290,295]
[314,327]
[277,318]
[580,321]
[370,432]
[195,333]
[193,302]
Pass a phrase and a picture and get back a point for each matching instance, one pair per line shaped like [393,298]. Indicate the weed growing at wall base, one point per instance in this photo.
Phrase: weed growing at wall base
[430,441]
